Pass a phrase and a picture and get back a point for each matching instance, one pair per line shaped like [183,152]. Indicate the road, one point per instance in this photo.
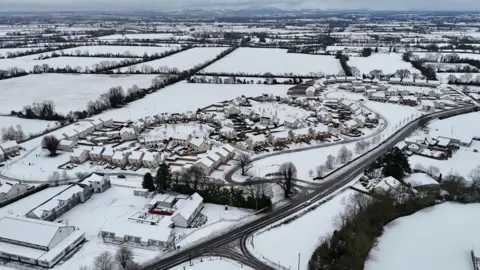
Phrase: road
[331,184]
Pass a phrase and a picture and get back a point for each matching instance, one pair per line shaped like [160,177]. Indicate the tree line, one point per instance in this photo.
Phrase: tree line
[32,51]
[427,71]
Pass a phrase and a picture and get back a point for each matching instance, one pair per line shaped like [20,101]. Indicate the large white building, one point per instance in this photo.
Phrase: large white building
[37,242]
[9,190]
[188,209]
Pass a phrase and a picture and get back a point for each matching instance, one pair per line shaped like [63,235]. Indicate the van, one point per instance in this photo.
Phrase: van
[307,203]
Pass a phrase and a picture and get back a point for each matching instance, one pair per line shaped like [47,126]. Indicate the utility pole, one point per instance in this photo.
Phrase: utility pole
[299,261]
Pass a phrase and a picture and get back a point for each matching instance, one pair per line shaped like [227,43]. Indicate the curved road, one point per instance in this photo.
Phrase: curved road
[331,184]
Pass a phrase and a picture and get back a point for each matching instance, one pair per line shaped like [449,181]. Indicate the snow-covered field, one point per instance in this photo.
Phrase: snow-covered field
[4,52]
[212,263]
[283,244]
[389,63]
[440,238]
[133,50]
[138,36]
[275,61]
[193,96]
[184,60]
[68,92]
[459,126]
[28,62]
[29,126]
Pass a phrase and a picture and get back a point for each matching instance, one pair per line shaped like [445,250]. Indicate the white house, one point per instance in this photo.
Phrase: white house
[138,126]
[378,96]
[152,141]
[127,134]
[348,126]
[66,145]
[112,134]
[9,190]
[231,109]
[310,91]
[138,234]
[151,159]
[293,123]
[268,121]
[120,158]
[215,158]
[79,156]
[188,211]
[83,128]
[199,144]
[96,153]
[96,183]
[206,165]
[70,134]
[181,139]
[9,147]
[135,158]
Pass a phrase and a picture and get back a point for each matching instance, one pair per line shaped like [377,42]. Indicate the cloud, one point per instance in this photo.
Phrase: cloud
[161,5]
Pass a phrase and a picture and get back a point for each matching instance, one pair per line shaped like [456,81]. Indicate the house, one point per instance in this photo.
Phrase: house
[348,126]
[96,183]
[127,134]
[135,158]
[79,156]
[413,147]
[370,92]
[66,145]
[83,128]
[206,165]
[231,109]
[387,184]
[410,100]
[417,180]
[378,96]
[222,153]
[59,204]
[293,123]
[310,91]
[253,141]
[188,211]
[151,159]
[97,123]
[395,99]
[107,154]
[112,134]
[37,242]
[199,144]
[156,236]
[9,147]
[428,106]
[228,132]
[71,134]
[268,121]
[361,120]
[96,153]
[152,141]
[120,158]
[284,137]
[10,190]
[230,149]
[227,123]
[181,139]
[2,156]
[138,126]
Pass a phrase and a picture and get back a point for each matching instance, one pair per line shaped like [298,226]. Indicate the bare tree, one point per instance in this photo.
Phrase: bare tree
[51,143]
[360,147]
[123,256]
[403,73]
[54,178]
[288,171]
[320,170]
[81,175]
[244,162]
[376,73]
[104,261]
[310,172]
[432,170]
[344,155]
[330,162]
[475,174]
[257,189]
[419,167]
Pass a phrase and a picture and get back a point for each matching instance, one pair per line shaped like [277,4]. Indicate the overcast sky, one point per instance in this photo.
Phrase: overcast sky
[159,5]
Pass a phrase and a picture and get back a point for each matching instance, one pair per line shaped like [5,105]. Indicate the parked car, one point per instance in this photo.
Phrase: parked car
[121,176]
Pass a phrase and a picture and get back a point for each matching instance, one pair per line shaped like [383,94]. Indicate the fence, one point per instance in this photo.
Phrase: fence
[207,259]
[265,259]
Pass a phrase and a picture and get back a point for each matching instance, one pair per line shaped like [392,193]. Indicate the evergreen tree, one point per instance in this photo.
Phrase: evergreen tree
[164,177]
[148,182]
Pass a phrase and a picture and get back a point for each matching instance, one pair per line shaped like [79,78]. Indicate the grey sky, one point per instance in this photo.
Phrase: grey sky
[159,5]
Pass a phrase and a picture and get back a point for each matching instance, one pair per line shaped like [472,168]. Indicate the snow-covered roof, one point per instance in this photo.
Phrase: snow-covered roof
[149,156]
[220,151]
[420,179]
[205,161]
[197,141]
[6,186]
[127,130]
[144,231]
[66,143]
[136,155]
[351,123]
[394,98]
[412,98]
[108,152]
[229,148]
[188,209]
[227,130]
[60,247]
[118,155]
[96,150]
[8,144]
[387,183]
[441,141]
[28,230]
[213,156]
[78,152]
[401,145]
[92,178]
[378,94]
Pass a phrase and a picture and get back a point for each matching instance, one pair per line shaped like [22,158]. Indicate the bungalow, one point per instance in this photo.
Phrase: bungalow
[378,96]
[120,158]
[66,145]
[96,153]
[151,159]
[410,100]
[359,89]
[127,134]
[83,128]
[79,156]
[230,149]
[71,134]
[97,123]
[392,91]
[199,144]
[107,123]
[9,147]
[414,147]
[135,158]
[107,155]
[228,132]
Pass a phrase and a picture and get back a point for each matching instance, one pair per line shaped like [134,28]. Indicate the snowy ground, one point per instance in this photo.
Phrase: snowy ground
[29,126]
[138,36]
[4,52]
[194,96]
[389,63]
[283,244]
[458,126]
[184,60]
[68,92]
[212,263]
[275,61]
[440,238]
[133,50]
[28,62]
